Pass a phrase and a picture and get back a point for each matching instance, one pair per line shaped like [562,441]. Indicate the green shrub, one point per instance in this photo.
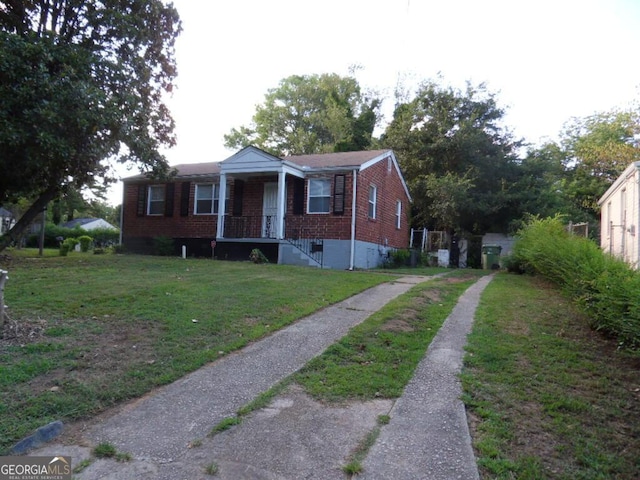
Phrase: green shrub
[85,242]
[71,243]
[102,237]
[513,264]
[605,288]
[256,256]
[399,258]
[163,246]
[64,249]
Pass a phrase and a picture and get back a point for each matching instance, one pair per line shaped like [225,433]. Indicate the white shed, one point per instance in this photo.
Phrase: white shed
[620,216]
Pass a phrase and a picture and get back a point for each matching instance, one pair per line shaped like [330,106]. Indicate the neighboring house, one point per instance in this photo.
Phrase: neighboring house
[7,220]
[88,224]
[337,210]
[620,217]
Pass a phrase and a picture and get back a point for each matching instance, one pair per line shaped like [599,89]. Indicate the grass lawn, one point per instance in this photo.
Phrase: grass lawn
[88,331]
[547,397]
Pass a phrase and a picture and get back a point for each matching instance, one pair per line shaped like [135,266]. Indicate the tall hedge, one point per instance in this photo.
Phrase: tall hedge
[604,287]
[101,236]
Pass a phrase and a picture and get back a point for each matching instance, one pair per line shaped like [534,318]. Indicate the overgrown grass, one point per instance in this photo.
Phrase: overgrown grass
[548,398]
[95,330]
[378,357]
[605,288]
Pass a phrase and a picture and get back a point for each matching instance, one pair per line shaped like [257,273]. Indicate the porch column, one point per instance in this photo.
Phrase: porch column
[282,202]
[222,207]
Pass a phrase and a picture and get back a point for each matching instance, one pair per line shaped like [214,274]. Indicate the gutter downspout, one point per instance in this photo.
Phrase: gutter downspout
[353,221]
[122,213]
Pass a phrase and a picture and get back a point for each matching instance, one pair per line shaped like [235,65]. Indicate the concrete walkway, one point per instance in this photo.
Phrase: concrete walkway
[428,436]
[295,437]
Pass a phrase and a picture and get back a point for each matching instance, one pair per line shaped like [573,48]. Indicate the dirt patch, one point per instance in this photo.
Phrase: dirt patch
[23,332]
[397,325]
[461,279]
[431,295]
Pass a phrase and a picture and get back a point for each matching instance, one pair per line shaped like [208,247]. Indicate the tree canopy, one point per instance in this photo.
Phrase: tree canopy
[311,114]
[81,82]
[457,158]
[597,150]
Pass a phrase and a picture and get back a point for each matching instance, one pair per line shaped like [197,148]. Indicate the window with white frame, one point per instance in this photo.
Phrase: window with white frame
[319,195]
[205,195]
[155,204]
[373,193]
[208,198]
[398,214]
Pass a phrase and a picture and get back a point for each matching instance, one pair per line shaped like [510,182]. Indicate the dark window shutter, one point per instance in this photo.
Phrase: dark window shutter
[169,193]
[142,200]
[238,192]
[338,195]
[298,196]
[184,199]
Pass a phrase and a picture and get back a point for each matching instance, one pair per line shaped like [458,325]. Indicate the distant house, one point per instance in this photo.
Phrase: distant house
[7,220]
[337,210]
[620,216]
[88,224]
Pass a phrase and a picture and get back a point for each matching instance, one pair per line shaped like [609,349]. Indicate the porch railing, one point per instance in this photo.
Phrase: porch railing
[259,226]
[300,231]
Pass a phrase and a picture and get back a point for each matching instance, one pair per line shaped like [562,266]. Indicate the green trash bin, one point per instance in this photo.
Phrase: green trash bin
[491,257]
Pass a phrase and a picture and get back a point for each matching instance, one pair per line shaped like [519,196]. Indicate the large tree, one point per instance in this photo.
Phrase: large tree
[310,114]
[81,82]
[597,149]
[457,158]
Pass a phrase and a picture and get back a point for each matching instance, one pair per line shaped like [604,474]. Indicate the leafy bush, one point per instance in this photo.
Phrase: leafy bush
[163,246]
[85,242]
[604,287]
[71,243]
[256,256]
[102,237]
[399,258]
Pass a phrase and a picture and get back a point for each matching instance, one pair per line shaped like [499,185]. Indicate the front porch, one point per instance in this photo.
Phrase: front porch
[301,244]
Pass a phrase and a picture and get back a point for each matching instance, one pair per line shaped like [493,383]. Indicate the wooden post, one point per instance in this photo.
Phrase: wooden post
[4,276]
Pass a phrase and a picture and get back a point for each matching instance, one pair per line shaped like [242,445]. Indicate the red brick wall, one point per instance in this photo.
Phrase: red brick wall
[175,226]
[382,230]
[329,225]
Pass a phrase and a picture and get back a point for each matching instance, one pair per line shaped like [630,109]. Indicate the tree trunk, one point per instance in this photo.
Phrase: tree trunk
[38,206]
[3,278]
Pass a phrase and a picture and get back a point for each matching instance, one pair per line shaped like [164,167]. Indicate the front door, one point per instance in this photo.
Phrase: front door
[270,210]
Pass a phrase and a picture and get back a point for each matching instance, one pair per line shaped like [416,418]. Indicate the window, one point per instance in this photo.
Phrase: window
[373,192]
[207,198]
[205,194]
[398,214]
[319,195]
[155,206]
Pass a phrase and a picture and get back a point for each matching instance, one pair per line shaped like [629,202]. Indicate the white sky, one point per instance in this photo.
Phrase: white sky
[547,60]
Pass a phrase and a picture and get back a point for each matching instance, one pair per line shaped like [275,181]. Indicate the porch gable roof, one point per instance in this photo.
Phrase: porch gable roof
[252,160]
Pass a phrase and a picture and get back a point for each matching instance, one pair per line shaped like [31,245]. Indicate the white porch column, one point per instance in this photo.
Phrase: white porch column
[282,203]
[222,207]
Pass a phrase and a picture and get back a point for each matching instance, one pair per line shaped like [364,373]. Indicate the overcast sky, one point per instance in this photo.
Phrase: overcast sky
[547,60]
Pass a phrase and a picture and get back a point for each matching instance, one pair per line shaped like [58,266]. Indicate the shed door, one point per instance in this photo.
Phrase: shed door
[270,210]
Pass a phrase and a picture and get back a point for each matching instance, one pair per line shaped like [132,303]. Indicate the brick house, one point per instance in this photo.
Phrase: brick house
[337,210]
